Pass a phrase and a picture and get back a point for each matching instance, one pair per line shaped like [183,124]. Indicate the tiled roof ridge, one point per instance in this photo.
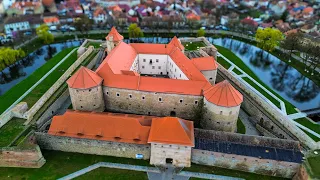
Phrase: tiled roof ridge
[77,76]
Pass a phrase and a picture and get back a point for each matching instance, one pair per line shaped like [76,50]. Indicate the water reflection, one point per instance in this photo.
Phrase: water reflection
[10,76]
[279,76]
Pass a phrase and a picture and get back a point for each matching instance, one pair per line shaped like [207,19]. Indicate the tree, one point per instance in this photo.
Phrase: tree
[268,38]
[135,31]
[9,56]
[291,42]
[83,23]
[44,34]
[201,32]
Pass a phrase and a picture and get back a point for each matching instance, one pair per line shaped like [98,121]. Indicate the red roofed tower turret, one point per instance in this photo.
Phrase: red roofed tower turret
[113,39]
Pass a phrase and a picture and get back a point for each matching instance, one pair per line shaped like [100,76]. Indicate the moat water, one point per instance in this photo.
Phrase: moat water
[279,76]
[11,76]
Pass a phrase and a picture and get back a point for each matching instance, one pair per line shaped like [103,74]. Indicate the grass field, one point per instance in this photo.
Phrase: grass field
[314,163]
[11,130]
[241,129]
[38,91]
[59,164]
[191,46]
[237,61]
[15,92]
[224,63]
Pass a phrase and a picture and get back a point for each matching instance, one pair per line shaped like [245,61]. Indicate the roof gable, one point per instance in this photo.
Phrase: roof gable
[223,94]
[84,78]
[115,35]
[172,130]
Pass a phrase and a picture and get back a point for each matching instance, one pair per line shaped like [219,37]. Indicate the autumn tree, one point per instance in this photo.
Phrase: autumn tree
[83,23]
[268,38]
[44,34]
[291,42]
[201,32]
[135,31]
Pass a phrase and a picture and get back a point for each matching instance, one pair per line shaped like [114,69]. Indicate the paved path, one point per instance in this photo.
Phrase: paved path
[250,128]
[167,174]
[38,82]
[283,107]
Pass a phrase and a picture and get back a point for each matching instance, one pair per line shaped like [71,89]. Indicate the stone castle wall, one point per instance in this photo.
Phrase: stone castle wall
[88,146]
[265,114]
[245,163]
[180,155]
[87,99]
[220,118]
[32,111]
[27,158]
[148,103]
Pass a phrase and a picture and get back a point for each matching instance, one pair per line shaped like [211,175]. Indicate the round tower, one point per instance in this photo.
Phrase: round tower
[113,39]
[222,105]
[86,91]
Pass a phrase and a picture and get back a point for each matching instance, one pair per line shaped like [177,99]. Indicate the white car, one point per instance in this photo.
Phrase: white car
[53,28]
[72,28]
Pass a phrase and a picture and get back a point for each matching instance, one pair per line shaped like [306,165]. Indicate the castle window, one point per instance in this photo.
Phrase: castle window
[220,112]
[157,60]
[81,107]
[150,61]
[210,78]
[228,123]
[89,90]
[218,122]
[153,67]
[130,95]
[180,75]
[144,60]
[118,94]
[142,67]
[94,105]
[175,70]
[159,67]
[143,97]
[181,100]
[107,92]
[195,102]
[160,99]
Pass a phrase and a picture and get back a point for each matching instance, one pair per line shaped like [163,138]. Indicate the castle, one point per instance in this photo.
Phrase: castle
[160,89]
[157,80]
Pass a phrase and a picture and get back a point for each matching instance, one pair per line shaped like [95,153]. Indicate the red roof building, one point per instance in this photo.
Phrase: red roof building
[84,78]
[114,33]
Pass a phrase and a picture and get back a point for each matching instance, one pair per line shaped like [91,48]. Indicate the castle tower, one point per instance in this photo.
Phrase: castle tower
[177,43]
[86,91]
[222,102]
[171,141]
[113,39]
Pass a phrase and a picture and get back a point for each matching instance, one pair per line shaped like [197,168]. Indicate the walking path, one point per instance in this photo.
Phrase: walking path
[250,128]
[282,105]
[167,173]
[38,82]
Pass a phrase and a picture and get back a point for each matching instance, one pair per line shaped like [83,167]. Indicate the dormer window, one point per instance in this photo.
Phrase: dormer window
[150,62]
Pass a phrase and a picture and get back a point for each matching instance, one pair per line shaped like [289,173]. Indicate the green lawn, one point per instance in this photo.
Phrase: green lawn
[235,70]
[305,122]
[241,129]
[59,164]
[15,92]
[191,46]
[274,101]
[38,91]
[314,163]
[237,61]
[11,130]
[315,138]
[224,63]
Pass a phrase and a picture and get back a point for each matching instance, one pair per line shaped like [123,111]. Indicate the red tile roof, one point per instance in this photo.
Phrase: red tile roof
[172,130]
[84,78]
[175,42]
[223,94]
[205,63]
[101,126]
[114,33]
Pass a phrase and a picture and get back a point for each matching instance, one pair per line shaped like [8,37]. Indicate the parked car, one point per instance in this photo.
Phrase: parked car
[53,28]
[72,28]
[28,33]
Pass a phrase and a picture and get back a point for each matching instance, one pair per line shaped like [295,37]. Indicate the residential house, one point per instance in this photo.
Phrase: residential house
[23,8]
[51,20]
[22,23]
[100,15]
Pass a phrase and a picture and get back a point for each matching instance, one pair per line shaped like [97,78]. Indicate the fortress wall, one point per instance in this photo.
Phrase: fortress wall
[34,109]
[89,146]
[266,115]
[27,158]
[150,105]
[245,163]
